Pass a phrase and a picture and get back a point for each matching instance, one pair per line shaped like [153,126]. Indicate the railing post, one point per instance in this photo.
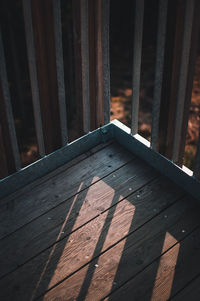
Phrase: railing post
[85,65]
[161,38]
[183,76]
[60,69]
[137,54]
[8,133]
[41,13]
[33,75]
[170,76]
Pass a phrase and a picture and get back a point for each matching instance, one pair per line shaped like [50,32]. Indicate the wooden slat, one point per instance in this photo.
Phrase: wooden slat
[96,236]
[105,19]
[130,255]
[190,77]
[42,179]
[190,292]
[85,65]
[136,146]
[137,53]
[16,212]
[170,76]
[33,75]
[197,160]
[60,70]
[179,265]
[161,38]
[45,52]
[101,11]
[49,163]
[90,204]
[186,44]
[6,102]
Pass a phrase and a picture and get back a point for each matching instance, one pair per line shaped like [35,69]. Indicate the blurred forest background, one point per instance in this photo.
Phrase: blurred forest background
[121,55]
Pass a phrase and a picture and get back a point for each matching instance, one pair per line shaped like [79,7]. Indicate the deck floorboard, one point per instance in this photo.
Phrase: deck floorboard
[107,226]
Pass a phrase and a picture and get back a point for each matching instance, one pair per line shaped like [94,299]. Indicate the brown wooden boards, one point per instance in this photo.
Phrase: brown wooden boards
[17,212]
[59,222]
[130,256]
[169,273]
[53,265]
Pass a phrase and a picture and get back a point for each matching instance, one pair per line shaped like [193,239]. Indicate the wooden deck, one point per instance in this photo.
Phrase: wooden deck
[105,225]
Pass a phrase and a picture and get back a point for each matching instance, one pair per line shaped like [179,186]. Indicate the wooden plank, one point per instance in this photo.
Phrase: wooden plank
[45,53]
[101,11]
[91,202]
[19,211]
[85,65]
[190,292]
[33,75]
[54,160]
[77,63]
[156,160]
[94,238]
[178,266]
[137,54]
[6,108]
[170,76]
[54,173]
[105,19]
[60,69]
[129,256]
[160,51]
[184,65]
[190,77]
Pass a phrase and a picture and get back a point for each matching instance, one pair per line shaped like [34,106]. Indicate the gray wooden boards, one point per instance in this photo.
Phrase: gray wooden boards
[53,160]
[84,226]
[156,160]
[114,130]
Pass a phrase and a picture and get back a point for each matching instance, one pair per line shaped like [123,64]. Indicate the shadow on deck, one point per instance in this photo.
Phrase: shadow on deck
[105,225]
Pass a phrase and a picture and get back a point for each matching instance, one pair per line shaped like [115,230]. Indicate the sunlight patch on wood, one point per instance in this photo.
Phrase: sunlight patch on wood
[76,243]
[166,270]
[100,281]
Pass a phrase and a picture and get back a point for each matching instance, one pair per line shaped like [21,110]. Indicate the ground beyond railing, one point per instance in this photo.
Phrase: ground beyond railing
[175,61]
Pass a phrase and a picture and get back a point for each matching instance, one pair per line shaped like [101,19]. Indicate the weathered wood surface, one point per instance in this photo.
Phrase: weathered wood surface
[44,231]
[179,265]
[17,212]
[115,226]
[127,258]
[190,292]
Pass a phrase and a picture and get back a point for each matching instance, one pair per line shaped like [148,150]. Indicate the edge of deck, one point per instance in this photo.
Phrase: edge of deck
[114,130]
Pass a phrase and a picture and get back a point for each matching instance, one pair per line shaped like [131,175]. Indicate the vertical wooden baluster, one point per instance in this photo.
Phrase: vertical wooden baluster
[137,53]
[85,65]
[60,69]
[105,18]
[6,108]
[161,37]
[183,76]
[33,75]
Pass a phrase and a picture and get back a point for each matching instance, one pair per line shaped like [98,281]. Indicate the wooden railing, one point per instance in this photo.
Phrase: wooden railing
[173,76]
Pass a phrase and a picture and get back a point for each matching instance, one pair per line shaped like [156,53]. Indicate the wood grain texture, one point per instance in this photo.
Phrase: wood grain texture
[128,257]
[17,212]
[172,271]
[89,241]
[190,292]
[88,204]
[55,172]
